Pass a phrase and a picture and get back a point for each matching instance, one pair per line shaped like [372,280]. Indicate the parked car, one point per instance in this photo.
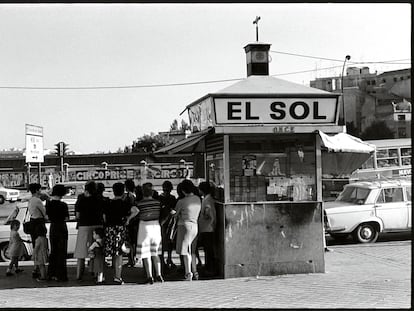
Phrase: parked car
[7,194]
[365,209]
[21,213]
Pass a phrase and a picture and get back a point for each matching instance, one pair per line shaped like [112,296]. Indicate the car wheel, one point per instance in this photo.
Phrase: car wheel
[366,233]
[339,237]
[1,199]
[3,248]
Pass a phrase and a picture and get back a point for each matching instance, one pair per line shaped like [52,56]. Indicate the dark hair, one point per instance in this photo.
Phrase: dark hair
[33,188]
[118,188]
[138,193]
[90,186]
[205,187]
[59,190]
[99,231]
[129,185]
[187,186]
[180,191]
[147,189]
[100,188]
[13,223]
[167,185]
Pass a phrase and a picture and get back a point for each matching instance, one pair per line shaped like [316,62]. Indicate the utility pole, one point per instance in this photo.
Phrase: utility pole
[256,21]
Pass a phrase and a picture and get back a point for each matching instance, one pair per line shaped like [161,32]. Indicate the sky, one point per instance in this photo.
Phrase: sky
[73,46]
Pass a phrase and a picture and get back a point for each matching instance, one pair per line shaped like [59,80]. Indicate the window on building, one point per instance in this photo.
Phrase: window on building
[401,78]
[373,82]
[387,157]
[384,81]
[402,133]
[401,117]
[368,82]
[395,79]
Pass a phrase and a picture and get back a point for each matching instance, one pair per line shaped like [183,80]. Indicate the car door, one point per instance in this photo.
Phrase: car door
[72,230]
[392,209]
[408,203]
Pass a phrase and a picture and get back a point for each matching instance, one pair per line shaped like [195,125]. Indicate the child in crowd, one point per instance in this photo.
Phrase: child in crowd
[16,247]
[97,254]
[41,253]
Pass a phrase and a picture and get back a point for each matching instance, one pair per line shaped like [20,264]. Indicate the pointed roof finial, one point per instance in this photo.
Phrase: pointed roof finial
[256,21]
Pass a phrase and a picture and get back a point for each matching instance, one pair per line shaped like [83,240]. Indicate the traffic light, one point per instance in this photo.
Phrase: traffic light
[61,149]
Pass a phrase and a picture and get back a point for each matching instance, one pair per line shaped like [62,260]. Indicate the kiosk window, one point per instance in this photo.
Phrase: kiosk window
[273,168]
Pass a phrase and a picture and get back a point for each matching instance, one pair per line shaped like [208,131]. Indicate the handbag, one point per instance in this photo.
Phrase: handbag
[28,227]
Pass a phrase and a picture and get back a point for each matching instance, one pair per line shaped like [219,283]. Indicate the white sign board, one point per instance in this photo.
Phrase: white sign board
[275,110]
[34,144]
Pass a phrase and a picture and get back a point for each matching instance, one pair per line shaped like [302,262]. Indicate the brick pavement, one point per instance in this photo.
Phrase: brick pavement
[357,276]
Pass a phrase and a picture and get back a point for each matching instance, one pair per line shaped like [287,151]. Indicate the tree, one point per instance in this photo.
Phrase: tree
[184,125]
[377,130]
[174,125]
[149,143]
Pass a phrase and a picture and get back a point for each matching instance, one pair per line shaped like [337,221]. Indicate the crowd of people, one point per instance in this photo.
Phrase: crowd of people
[137,222]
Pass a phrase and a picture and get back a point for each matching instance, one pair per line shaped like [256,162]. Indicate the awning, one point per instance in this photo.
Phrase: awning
[343,153]
[190,144]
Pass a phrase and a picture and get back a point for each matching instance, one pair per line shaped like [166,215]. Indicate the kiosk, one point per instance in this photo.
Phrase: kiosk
[262,148]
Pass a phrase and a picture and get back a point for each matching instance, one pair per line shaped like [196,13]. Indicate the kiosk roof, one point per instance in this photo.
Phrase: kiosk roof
[269,85]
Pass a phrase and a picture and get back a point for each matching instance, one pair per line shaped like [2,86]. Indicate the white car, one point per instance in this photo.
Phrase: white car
[21,213]
[7,194]
[365,209]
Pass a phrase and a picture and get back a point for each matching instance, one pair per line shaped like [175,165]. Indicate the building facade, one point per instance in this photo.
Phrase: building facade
[370,97]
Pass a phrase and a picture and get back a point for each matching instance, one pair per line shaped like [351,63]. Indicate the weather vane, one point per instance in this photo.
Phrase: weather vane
[256,21]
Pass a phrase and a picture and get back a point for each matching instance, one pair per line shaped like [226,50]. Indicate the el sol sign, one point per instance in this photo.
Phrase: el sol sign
[275,110]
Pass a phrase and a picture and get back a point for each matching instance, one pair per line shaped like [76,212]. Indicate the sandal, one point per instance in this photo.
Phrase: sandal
[189,276]
[119,281]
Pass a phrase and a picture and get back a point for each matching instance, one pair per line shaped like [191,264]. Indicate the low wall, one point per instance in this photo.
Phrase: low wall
[269,239]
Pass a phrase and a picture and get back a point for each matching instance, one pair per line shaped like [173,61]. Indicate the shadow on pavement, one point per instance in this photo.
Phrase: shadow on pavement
[383,237]
[135,275]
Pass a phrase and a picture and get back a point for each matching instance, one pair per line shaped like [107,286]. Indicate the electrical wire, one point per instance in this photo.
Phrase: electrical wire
[341,60]
[183,83]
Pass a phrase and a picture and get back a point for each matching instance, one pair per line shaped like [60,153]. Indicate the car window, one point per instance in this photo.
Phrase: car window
[12,216]
[354,195]
[72,214]
[391,195]
[408,191]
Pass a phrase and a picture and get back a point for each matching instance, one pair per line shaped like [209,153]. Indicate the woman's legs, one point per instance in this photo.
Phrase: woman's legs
[80,269]
[157,265]
[42,269]
[117,263]
[147,266]
[187,263]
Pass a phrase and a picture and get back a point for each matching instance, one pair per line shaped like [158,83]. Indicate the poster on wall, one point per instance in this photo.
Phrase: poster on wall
[249,165]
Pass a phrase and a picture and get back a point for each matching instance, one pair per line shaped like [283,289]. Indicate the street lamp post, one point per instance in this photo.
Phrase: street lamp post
[348,57]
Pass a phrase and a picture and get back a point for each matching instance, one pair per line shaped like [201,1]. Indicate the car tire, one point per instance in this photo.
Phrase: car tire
[2,200]
[3,248]
[366,233]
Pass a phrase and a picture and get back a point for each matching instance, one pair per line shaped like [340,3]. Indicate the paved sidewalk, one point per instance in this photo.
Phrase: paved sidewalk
[357,276]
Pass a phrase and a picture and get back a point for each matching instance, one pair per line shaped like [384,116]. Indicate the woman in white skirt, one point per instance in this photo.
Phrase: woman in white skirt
[149,234]
[89,214]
